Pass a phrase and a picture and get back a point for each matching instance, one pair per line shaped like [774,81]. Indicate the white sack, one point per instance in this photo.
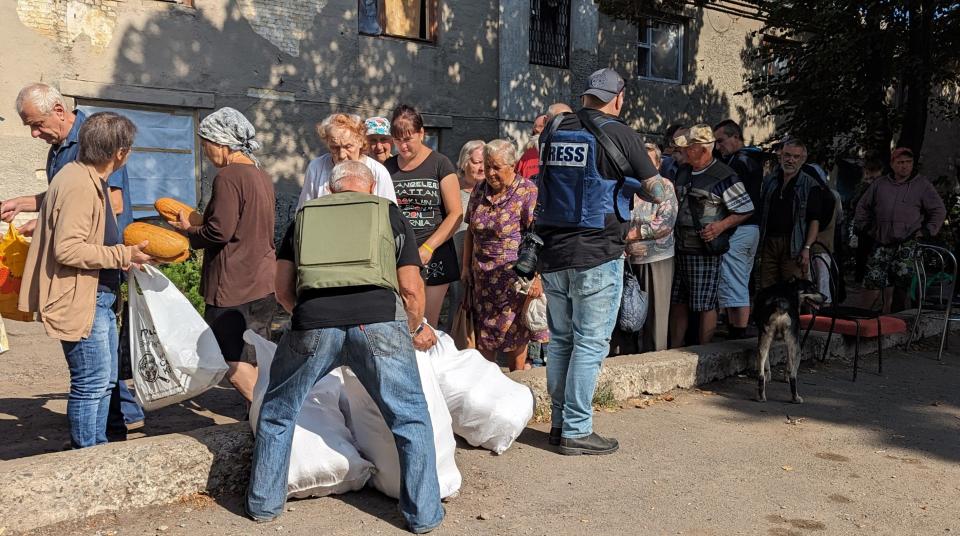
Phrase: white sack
[323,460]
[174,354]
[488,409]
[377,444]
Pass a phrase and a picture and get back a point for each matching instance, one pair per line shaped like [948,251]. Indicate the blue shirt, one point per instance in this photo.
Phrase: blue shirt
[67,151]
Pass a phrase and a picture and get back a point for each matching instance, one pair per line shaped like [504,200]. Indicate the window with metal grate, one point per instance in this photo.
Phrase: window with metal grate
[550,33]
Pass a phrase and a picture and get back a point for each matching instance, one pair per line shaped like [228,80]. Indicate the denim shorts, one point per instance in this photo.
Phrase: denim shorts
[736,267]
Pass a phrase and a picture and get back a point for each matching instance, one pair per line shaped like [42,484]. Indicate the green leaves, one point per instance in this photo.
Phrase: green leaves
[186,277]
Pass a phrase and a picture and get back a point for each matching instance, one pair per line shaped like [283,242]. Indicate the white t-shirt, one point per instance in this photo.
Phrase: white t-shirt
[317,181]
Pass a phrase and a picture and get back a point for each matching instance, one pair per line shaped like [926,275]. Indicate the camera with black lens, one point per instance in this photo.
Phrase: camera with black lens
[528,255]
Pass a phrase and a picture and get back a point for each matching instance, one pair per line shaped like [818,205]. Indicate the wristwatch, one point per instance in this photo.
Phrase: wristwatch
[806,247]
[417,331]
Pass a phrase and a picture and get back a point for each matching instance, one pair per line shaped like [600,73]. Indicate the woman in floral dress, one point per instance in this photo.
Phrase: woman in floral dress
[500,210]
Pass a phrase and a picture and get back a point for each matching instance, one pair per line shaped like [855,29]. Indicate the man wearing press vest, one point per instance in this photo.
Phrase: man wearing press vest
[349,271]
[593,164]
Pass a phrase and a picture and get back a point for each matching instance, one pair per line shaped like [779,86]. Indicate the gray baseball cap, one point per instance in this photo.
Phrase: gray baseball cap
[604,84]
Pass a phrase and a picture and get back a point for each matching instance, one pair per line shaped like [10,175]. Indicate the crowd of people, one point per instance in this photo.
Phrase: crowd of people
[389,233]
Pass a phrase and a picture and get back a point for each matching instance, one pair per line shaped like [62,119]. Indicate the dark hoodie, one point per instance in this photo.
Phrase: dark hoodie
[893,212]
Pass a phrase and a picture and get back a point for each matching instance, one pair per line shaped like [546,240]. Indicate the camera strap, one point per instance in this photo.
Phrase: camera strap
[545,139]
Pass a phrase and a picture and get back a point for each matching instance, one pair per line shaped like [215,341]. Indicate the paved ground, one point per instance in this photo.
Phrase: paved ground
[876,457]
[33,398]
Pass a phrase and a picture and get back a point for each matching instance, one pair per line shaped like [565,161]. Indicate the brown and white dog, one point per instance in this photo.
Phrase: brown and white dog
[777,316]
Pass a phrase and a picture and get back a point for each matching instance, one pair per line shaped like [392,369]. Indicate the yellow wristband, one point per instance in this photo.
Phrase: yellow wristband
[428,248]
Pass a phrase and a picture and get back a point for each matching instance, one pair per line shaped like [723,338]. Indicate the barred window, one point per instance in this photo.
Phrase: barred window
[660,51]
[550,33]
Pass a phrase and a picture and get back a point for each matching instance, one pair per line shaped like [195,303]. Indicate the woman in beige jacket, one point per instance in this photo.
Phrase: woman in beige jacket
[72,274]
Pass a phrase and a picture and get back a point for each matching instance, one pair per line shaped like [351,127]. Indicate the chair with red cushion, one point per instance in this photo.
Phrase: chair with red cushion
[852,321]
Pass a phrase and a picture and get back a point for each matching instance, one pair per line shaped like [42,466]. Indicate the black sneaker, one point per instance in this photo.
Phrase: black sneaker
[592,444]
[554,438]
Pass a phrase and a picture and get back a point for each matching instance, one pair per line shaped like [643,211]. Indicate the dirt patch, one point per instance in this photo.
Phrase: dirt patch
[831,457]
[842,499]
[802,524]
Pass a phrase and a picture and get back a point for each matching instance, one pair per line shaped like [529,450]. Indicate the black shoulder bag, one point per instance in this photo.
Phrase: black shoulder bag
[717,246]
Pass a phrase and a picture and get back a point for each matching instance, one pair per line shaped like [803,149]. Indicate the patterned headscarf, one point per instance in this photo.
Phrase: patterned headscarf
[229,127]
[377,126]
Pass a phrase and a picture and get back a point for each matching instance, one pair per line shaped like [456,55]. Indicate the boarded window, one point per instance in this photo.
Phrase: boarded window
[660,51]
[550,33]
[407,19]
[165,159]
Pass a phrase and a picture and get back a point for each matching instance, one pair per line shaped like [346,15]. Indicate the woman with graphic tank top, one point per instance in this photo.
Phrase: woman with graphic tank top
[428,194]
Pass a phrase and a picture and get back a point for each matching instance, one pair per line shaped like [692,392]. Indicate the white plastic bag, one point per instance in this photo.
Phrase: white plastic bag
[377,444]
[323,460]
[173,353]
[488,409]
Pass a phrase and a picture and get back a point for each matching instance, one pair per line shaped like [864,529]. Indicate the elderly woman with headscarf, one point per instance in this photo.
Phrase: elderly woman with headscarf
[345,138]
[236,236]
[379,140]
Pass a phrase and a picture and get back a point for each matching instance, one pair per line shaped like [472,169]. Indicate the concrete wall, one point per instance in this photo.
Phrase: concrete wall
[713,46]
[285,63]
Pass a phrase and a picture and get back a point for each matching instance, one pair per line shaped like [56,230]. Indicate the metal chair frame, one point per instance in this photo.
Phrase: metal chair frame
[940,256]
[854,315]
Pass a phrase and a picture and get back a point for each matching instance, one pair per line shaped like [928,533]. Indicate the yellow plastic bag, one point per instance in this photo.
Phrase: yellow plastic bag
[13,259]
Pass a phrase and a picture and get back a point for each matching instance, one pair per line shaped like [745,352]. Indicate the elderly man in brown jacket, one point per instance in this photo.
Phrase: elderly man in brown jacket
[72,273]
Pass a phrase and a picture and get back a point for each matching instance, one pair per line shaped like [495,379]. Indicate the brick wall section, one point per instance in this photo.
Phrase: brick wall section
[67,20]
[282,22]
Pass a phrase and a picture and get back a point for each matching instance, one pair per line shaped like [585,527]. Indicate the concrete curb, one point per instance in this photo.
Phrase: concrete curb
[51,488]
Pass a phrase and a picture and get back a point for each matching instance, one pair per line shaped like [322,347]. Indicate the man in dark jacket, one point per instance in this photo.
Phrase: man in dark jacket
[897,210]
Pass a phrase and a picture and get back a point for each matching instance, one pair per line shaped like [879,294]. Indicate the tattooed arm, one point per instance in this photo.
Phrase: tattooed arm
[655,189]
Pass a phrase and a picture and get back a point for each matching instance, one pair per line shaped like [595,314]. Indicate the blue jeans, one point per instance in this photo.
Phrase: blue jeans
[93,376]
[124,410]
[382,357]
[582,306]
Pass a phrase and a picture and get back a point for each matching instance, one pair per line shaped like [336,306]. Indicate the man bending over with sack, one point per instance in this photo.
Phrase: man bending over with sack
[349,271]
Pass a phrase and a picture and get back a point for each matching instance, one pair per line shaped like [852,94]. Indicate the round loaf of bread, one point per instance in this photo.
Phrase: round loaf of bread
[163,243]
[169,209]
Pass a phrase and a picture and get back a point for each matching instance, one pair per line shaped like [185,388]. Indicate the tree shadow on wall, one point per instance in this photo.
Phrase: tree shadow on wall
[218,50]
[652,106]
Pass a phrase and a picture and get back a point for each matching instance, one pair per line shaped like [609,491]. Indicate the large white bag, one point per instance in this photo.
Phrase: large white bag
[489,410]
[323,460]
[377,444]
[174,354]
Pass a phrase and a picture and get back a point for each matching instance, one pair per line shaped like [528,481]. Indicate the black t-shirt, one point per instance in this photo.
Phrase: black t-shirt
[750,171]
[418,192]
[780,217]
[566,247]
[350,306]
